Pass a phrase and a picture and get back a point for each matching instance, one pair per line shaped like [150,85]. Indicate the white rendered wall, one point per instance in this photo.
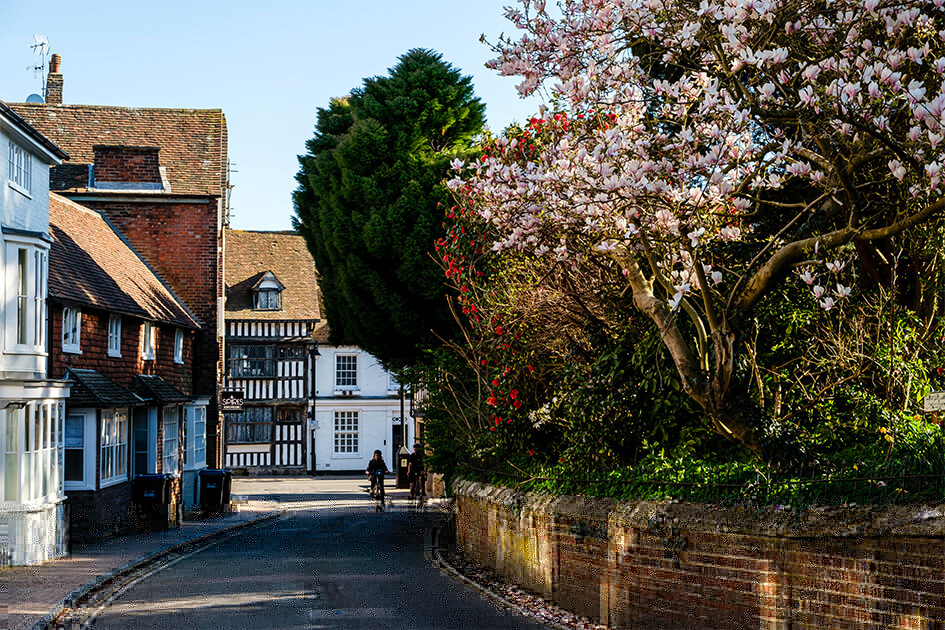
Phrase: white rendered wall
[378,409]
[18,210]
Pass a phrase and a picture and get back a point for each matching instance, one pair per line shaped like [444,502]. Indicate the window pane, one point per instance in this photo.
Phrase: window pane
[252,361]
[22,316]
[346,432]
[293,415]
[252,425]
[170,443]
[114,334]
[179,346]
[200,435]
[12,469]
[147,341]
[39,298]
[346,371]
[291,352]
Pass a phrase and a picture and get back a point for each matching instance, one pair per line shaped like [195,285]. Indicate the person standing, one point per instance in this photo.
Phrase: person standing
[416,472]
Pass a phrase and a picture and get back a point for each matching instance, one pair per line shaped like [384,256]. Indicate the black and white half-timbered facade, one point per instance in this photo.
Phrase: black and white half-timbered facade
[272,309]
[308,405]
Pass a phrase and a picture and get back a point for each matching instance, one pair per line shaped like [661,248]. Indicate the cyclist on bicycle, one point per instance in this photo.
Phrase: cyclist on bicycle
[416,472]
[376,469]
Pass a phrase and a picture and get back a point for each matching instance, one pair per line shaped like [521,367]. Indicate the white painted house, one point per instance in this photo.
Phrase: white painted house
[357,409]
[32,406]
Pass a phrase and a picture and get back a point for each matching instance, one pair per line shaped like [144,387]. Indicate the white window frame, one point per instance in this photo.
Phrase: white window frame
[346,376]
[22,296]
[30,454]
[13,447]
[26,278]
[267,299]
[147,340]
[195,426]
[114,335]
[71,330]
[170,435]
[178,346]
[113,447]
[39,298]
[150,424]
[346,441]
[86,419]
[20,169]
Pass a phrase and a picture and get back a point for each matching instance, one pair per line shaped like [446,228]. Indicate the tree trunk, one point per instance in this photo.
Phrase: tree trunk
[730,411]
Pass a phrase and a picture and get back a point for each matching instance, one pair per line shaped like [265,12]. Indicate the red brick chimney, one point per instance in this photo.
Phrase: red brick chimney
[126,165]
[54,81]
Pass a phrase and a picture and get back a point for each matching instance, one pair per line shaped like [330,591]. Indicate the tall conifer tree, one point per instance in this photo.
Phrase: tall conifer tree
[371,200]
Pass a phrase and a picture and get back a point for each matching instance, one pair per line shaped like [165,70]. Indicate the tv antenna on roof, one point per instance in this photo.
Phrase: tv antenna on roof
[40,47]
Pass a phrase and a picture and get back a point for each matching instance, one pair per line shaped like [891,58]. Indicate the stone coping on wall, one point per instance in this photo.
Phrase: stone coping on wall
[863,521]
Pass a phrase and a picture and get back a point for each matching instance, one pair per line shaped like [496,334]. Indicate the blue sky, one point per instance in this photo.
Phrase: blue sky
[268,64]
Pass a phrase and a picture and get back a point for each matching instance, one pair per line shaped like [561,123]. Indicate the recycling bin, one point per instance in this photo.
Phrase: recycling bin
[214,489]
[150,489]
[151,498]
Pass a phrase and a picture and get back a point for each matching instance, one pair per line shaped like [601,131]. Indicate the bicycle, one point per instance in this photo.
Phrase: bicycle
[377,490]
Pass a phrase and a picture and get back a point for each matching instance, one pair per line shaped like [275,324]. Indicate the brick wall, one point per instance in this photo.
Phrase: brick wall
[699,567]
[181,239]
[180,242]
[94,345]
[99,514]
[127,164]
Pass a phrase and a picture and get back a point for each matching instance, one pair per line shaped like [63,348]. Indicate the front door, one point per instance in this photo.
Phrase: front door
[144,441]
[396,442]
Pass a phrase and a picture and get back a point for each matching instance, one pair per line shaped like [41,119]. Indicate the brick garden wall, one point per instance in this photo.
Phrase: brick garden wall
[669,566]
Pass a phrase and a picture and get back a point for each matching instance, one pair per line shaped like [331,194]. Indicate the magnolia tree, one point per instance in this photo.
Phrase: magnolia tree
[716,149]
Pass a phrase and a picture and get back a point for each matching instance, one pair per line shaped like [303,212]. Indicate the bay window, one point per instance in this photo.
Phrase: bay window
[26,259]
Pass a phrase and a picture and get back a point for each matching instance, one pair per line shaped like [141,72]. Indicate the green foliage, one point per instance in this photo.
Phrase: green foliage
[369,203]
[566,389]
[906,465]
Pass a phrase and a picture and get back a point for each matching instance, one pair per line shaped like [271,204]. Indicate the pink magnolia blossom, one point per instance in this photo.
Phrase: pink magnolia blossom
[643,168]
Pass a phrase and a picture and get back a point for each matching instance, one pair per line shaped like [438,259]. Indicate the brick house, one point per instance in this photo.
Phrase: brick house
[160,177]
[126,341]
[32,406]
[308,406]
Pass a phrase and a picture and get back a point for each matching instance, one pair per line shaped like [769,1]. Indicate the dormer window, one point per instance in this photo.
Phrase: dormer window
[268,300]
[267,294]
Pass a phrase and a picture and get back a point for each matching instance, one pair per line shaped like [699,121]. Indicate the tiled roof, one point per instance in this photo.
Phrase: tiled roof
[89,264]
[29,130]
[193,142]
[92,389]
[250,254]
[155,388]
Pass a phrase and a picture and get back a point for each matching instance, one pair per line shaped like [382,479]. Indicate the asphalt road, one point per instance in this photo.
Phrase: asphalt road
[330,561]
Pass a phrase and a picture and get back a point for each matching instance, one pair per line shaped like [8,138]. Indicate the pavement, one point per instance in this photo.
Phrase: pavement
[32,598]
